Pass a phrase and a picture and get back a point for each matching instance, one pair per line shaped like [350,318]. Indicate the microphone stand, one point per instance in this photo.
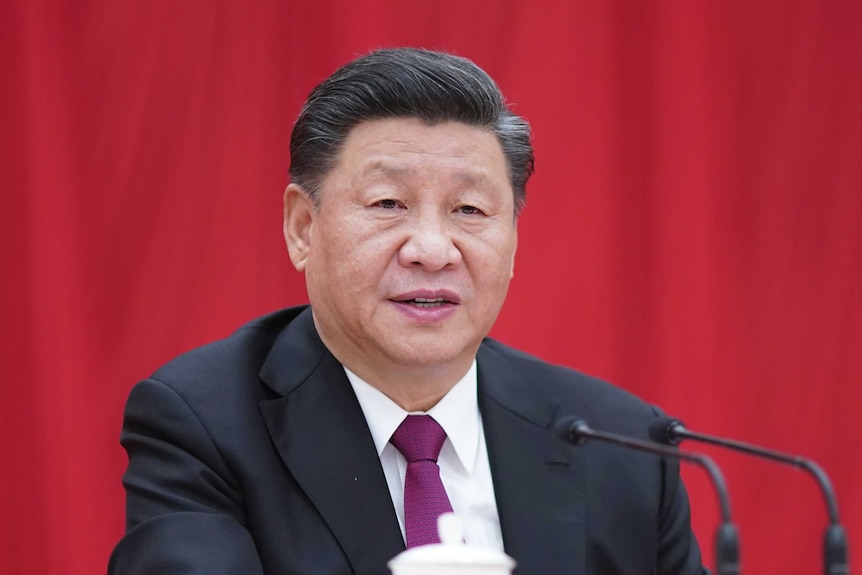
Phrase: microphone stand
[577,431]
[835,560]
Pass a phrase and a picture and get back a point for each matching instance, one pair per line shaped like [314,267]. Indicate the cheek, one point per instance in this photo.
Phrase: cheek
[351,261]
[492,260]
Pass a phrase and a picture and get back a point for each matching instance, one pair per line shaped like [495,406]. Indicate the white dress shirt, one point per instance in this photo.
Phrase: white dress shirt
[463,460]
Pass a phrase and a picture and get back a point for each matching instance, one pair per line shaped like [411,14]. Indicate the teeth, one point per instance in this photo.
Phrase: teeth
[426,302]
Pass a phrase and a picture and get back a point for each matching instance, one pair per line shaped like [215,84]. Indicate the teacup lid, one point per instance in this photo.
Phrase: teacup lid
[451,550]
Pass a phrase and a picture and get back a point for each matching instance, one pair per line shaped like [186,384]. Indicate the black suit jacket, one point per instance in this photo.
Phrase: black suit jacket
[252,455]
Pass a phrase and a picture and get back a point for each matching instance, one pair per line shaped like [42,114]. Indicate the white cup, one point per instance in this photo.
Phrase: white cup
[452,556]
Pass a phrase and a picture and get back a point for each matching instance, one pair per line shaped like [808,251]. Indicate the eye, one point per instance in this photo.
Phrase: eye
[386,204]
[470,210]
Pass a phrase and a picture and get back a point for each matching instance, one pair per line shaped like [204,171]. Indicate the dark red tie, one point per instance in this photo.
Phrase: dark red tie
[419,439]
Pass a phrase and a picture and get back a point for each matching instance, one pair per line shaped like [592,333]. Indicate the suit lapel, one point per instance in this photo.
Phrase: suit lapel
[538,480]
[321,434]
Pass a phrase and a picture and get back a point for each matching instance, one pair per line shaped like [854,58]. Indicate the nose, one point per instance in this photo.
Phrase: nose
[429,244]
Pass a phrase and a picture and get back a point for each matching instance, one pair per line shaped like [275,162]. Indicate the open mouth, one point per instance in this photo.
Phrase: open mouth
[423,302]
[428,299]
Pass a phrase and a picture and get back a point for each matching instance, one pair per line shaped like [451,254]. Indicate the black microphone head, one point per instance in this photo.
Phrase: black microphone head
[662,430]
[568,427]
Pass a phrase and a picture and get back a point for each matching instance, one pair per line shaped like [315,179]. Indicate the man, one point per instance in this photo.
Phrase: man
[277,449]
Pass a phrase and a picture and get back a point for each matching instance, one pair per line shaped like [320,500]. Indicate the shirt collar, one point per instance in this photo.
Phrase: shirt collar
[457,413]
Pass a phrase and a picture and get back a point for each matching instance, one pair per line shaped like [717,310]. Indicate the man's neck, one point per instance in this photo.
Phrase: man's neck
[410,387]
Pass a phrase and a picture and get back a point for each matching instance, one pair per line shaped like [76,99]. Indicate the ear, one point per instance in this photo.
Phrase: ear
[298,219]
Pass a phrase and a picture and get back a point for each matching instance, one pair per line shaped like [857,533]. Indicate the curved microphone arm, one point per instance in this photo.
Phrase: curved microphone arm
[676,432]
[576,430]
[667,430]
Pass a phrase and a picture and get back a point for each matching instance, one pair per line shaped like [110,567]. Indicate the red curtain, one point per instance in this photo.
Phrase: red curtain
[692,232]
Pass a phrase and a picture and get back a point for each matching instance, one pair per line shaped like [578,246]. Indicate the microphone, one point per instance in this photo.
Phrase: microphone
[672,431]
[576,430]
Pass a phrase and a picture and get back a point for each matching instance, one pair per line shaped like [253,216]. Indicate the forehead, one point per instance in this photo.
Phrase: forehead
[401,147]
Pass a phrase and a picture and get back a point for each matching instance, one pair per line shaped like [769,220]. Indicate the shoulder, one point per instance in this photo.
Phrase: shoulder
[210,396]
[228,363]
[603,404]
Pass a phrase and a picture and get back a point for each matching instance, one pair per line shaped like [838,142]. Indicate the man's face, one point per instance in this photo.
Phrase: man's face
[409,253]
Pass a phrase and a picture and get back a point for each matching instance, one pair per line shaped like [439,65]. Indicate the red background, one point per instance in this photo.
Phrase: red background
[692,232]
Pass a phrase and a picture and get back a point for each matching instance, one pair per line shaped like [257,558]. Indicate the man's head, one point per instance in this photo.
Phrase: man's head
[405,83]
[402,215]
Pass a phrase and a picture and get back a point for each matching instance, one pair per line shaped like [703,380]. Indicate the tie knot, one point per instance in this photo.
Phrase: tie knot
[419,438]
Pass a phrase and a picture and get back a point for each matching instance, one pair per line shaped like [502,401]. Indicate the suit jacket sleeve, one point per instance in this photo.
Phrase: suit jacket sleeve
[183,505]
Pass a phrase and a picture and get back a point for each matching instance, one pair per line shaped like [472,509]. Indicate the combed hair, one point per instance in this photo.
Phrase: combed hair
[404,83]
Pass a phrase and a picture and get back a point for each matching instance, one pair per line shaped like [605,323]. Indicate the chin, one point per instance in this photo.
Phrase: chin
[430,358]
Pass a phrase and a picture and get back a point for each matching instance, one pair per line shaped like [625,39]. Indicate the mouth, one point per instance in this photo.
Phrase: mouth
[427,299]
[425,303]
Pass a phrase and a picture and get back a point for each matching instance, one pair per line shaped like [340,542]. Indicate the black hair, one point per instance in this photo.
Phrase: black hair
[411,83]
